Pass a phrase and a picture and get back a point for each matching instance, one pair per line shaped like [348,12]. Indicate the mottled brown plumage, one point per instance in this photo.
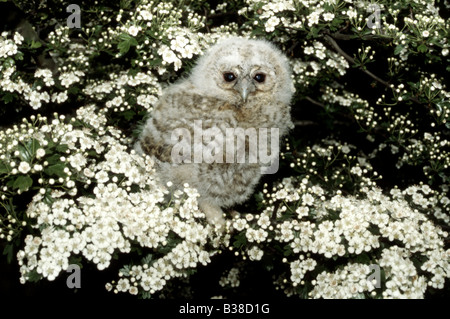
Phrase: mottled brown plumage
[238,83]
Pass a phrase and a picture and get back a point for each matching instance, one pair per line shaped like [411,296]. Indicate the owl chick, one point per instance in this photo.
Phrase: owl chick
[240,86]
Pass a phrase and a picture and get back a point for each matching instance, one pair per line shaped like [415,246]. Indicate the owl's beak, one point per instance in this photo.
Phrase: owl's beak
[245,86]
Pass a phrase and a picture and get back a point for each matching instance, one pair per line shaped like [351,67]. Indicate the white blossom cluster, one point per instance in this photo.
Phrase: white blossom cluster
[146,90]
[184,221]
[114,217]
[9,81]
[8,47]
[185,42]
[318,225]
[231,279]
[304,71]
[38,92]
[152,277]
[348,282]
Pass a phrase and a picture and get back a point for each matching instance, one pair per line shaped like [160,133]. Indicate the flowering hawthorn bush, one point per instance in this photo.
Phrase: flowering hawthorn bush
[364,177]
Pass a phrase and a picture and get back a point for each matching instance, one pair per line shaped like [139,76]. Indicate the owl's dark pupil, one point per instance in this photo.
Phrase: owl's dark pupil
[260,77]
[229,77]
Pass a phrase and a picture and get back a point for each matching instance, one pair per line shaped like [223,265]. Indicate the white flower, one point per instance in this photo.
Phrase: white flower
[7,48]
[264,221]
[426,34]
[35,99]
[352,14]
[328,16]
[146,15]
[123,284]
[77,161]
[40,152]
[445,52]
[255,253]
[345,149]
[117,101]
[169,56]
[178,43]
[320,54]
[133,30]
[59,97]
[313,18]
[146,100]
[240,224]
[302,211]
[307,199]
[272,23]
[18,38]
[68,78]
[44,73]
[356,170]
[24,167]
[309,50]
[102,177]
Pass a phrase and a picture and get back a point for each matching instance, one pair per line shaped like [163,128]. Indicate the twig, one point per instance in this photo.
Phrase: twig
[222,14]
[291,49]
[346,37]
[305,123]
[206,20]
[314,101]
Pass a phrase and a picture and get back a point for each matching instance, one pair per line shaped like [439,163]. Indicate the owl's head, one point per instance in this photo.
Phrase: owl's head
[239,70]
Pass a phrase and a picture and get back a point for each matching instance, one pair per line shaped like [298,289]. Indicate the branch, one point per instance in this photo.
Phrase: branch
[352,61]
[340,36]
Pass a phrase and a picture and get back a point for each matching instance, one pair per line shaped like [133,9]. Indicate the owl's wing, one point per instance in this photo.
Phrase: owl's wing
[169,130]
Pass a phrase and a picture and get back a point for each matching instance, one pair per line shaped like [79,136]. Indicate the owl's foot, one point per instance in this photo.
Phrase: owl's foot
[214,214]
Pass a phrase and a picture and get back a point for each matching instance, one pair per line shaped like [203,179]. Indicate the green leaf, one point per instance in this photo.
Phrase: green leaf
[123,47]
[240,241]
[57,170]
[24,154]
[126,43]
[8,251]
[33,276]
[53,159]
[35,44]
[33,146]
[128,115]
[125,270]
[133,42]
[398,49]
[62,148]
[146,295]
[422,48]
[23,183]
[4,168]
[287,251]
[73,90]
[8,98]
[147,259]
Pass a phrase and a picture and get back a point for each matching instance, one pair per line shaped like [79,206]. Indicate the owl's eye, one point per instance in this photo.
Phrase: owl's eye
[229,77]
[259,77]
